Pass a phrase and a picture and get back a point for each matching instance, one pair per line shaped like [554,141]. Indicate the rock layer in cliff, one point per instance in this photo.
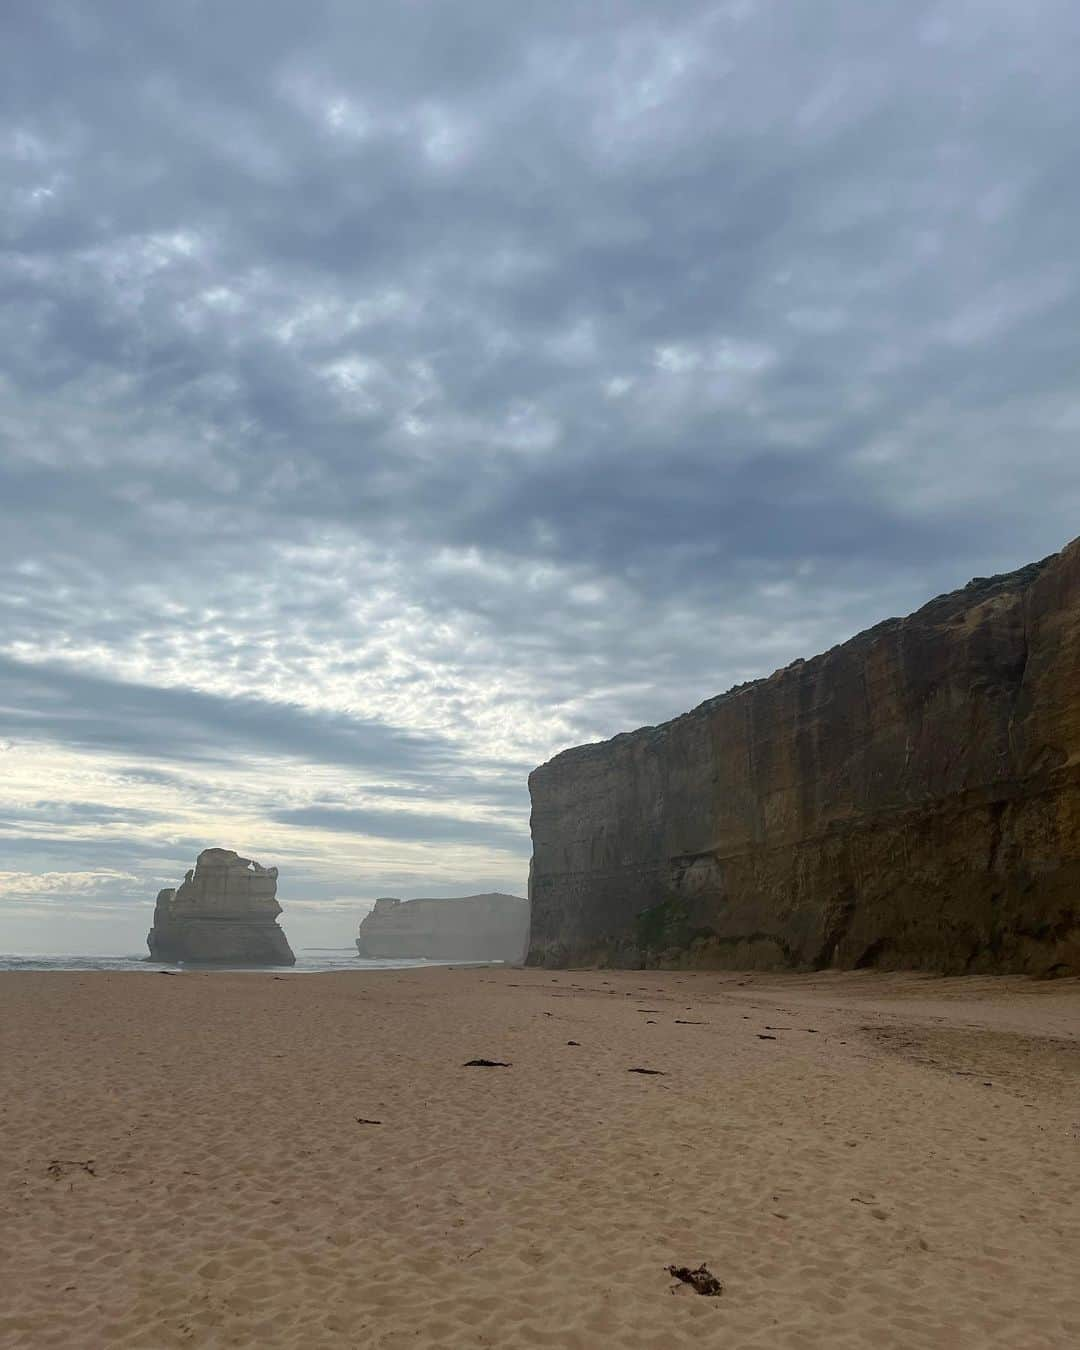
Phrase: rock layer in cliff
[491,927]
[910,798]
[225,910]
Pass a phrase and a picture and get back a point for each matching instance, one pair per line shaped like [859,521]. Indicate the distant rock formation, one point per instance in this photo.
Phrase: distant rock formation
[471,928]
[909,799]
[225,911]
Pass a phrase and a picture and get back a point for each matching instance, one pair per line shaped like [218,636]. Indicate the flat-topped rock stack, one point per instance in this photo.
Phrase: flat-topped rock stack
[492,927]
[910,798]
[224,911]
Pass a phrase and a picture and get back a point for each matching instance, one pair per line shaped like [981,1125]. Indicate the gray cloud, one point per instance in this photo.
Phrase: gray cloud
[410,825]
[411,390]
[77,710]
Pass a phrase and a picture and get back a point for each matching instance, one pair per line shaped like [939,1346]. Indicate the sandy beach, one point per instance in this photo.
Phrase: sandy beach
[860,1159]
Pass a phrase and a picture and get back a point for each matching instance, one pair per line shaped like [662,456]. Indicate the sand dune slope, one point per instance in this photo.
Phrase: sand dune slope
[183,1164]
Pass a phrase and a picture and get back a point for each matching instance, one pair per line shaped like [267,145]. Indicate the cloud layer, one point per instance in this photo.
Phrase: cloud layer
[394,394]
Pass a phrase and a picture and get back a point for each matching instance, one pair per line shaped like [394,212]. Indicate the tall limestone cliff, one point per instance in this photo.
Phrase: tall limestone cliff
[910,798]
[225,910]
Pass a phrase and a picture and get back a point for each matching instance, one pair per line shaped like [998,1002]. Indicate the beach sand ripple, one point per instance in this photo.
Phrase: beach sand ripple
[190,1162]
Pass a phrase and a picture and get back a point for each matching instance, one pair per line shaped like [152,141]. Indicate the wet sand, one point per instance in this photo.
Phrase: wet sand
[182,1161]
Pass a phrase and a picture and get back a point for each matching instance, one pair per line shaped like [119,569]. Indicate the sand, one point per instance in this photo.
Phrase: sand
[182,1163]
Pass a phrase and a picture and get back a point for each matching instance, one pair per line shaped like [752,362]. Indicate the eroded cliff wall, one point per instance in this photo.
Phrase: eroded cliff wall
[910,798]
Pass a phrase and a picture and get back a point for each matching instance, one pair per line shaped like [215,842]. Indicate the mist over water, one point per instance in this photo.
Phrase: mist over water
[313,961]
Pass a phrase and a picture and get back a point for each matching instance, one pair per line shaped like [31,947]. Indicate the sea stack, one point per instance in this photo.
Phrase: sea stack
[493,927]
[224,911]
[909,799]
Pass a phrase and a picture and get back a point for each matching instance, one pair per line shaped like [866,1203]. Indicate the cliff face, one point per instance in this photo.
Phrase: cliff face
[225,910]
[910,798]
[472,928]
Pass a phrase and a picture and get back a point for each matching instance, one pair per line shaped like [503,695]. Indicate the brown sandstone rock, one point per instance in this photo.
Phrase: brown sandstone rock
[910,798]
[224,911]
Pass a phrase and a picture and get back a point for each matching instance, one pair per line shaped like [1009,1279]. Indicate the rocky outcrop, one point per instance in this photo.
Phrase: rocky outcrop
[910,798]
[470,928]
[224,911]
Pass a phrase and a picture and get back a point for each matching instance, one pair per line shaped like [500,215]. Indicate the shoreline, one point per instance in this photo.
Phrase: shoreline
[861,1158]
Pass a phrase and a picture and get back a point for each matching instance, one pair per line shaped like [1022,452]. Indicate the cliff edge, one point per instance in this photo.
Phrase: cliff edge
[909,799]
[225,910]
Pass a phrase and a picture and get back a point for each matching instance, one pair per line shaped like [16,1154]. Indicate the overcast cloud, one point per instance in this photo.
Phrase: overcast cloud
[394,394]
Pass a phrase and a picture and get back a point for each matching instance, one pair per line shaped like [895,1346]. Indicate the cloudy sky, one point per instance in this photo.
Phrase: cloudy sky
[393,394]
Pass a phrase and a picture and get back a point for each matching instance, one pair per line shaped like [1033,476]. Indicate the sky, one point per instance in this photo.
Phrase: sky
[393,395]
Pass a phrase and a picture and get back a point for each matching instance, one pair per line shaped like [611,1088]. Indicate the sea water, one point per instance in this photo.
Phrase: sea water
[309,961]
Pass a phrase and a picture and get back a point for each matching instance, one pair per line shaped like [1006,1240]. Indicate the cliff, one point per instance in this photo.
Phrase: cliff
[225,910]
[910,798]
[470,928]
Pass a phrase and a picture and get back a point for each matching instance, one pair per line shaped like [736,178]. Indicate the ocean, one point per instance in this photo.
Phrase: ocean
[309,961]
